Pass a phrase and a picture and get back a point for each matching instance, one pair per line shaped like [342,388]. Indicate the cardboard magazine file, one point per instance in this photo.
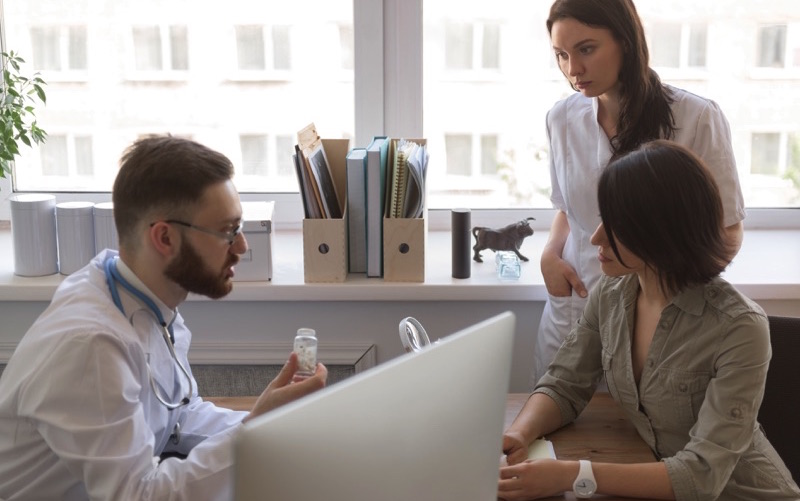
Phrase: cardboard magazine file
[404,243]
[325,240]
[404,249]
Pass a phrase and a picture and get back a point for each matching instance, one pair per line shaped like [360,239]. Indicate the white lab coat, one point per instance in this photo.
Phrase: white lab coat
[78,418]
[579,151]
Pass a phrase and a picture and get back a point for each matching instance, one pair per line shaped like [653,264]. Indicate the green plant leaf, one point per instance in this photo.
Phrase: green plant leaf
[20,96]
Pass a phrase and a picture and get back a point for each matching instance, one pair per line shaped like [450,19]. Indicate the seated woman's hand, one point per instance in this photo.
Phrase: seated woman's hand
[532,479]
[515,447]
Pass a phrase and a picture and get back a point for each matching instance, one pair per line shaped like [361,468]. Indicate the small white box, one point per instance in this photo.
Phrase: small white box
[256,263]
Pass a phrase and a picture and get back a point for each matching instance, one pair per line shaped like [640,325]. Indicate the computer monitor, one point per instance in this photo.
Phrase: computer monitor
[425,426]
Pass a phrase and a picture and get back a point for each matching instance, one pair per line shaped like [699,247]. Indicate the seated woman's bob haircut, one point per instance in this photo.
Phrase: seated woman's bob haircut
[661,203]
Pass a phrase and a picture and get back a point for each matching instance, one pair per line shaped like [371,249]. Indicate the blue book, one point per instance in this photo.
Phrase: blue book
[377,153]
[357,210]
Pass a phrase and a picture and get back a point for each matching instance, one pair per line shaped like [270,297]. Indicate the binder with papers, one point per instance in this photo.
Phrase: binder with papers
[314,175]
[325,238]
[377,158]
[408,179]
[357,210]
[404,222]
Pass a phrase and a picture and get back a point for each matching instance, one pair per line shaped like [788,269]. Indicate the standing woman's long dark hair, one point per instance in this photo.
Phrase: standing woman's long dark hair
[645,103]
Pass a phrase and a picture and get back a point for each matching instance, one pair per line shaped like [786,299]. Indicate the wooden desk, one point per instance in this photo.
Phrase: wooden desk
[601,433]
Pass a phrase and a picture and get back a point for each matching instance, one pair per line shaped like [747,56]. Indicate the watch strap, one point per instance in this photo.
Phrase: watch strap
[584,485]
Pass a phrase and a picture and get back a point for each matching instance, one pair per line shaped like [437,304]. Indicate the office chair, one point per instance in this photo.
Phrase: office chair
[777,417]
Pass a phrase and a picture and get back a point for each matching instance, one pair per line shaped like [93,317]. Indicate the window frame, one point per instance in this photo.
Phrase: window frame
[388,76]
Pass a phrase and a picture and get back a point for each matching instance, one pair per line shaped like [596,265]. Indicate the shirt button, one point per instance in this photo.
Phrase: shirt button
[683,387]
[650,362]
[736,413]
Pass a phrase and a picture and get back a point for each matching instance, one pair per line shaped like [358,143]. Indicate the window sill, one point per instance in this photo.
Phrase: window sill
[766,268]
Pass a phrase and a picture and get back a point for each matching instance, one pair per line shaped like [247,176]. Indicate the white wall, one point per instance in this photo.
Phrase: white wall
[340,322]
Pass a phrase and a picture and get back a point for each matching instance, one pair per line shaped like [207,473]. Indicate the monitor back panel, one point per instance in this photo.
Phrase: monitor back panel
[423,426]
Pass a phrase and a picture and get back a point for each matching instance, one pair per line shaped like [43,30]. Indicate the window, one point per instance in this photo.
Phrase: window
[674,45]
[262,48]
[254,155]
[471,46]
[160,48]
[250,48]
[772,46]
[59,48]
[775,166]
[701,46]
[251,74]
[240,76]
[67,161]
[779,47]
[489,154]
[766,153]
[459,154]
[265,166]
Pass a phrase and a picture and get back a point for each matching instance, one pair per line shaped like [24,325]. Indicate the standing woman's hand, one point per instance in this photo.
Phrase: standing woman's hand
[559,276]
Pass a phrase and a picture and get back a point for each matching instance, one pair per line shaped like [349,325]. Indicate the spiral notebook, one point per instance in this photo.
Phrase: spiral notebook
[407,189]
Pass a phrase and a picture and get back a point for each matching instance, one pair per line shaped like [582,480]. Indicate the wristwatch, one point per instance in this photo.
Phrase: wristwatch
[584,485]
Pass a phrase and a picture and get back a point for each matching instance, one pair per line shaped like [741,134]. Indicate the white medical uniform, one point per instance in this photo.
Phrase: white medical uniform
[78,417]
[579,151]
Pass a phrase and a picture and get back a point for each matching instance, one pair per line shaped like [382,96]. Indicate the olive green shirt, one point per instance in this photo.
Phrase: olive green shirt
[702,384]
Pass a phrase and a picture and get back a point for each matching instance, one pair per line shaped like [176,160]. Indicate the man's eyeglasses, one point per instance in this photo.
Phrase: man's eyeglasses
[229,236]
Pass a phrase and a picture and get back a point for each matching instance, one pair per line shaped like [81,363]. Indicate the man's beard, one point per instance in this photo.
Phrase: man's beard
[190,272]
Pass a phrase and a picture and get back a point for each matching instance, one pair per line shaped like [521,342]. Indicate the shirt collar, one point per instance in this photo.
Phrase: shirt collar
[168,313]
[691,300]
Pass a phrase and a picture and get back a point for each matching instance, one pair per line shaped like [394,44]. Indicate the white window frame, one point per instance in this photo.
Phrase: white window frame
[388,55]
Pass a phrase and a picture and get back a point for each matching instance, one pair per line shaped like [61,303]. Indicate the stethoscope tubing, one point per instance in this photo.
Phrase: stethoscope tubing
[114,277]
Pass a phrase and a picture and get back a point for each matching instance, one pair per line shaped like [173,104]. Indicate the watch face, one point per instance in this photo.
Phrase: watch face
[584,487]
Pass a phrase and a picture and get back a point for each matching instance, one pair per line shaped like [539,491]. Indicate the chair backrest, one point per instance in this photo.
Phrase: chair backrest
[779,414]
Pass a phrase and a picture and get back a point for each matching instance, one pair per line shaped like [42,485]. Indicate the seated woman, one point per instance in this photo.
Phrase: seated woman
[682,351]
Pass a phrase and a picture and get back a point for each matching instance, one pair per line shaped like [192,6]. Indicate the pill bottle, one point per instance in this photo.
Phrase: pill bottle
[305,345]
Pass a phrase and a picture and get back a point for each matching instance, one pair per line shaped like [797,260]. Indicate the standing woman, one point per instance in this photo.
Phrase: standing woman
[684,354]
[620,103]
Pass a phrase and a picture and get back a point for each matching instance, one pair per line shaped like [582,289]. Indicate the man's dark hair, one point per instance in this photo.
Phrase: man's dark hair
[163,176]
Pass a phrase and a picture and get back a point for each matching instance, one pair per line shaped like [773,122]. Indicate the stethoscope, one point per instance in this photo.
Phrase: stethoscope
[113,275]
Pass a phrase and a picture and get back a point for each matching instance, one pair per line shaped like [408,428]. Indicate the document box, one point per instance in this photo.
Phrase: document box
[256,263]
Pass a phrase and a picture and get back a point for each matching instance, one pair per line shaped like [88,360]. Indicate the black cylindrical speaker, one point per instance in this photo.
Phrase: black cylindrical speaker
[460,222]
